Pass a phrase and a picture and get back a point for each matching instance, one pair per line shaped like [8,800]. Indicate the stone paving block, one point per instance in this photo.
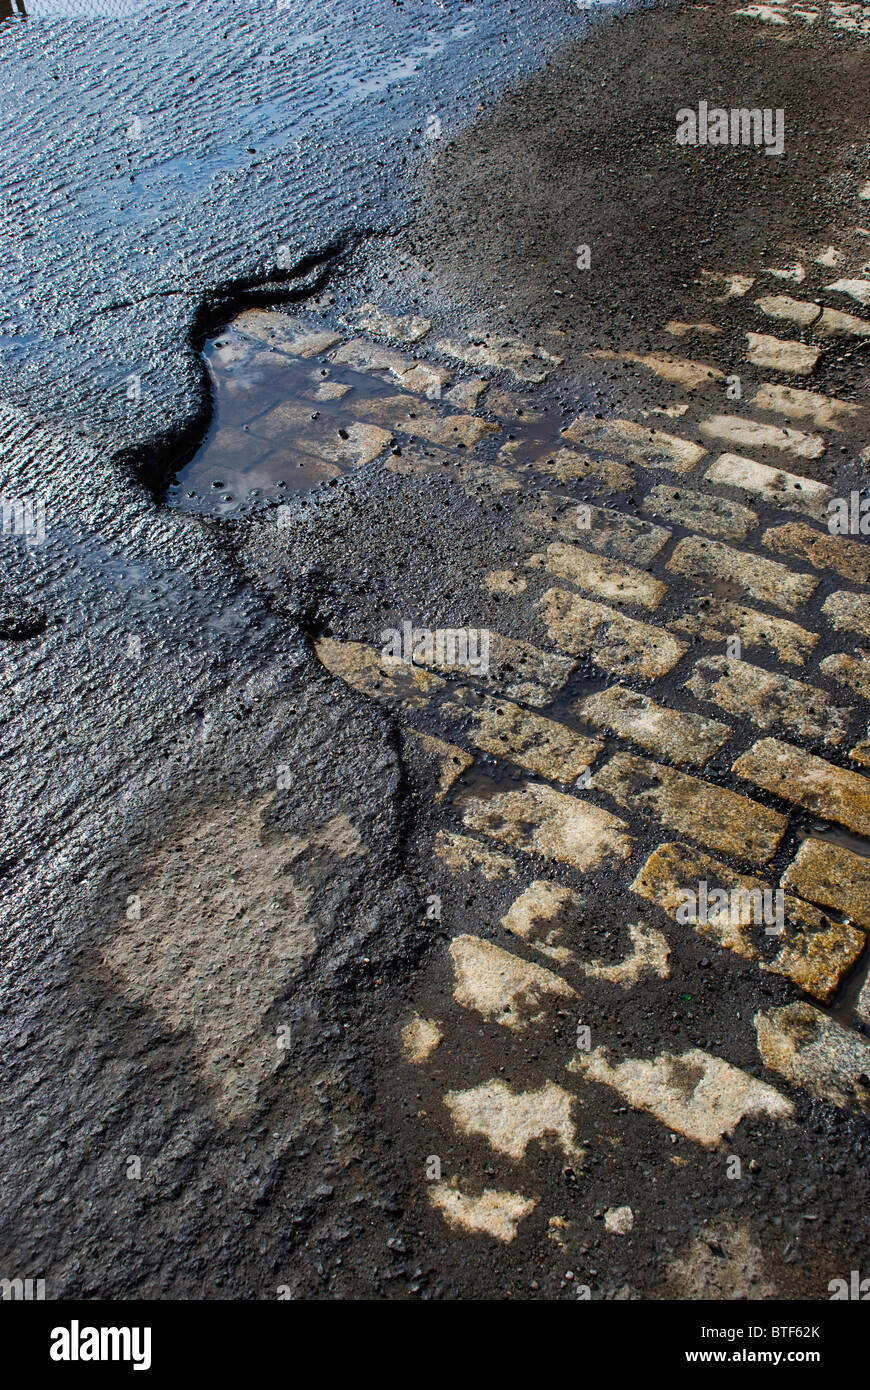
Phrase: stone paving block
[832,876]
[364,668]
[848,611]
[781,354]
[685,738]
[825,412]
[617,644]
[677,370]
[753,434]
[596,528]
[449,761]
[773,485]
[738,912]
[782,306]
[848,558]
[712,563]
[525,361]
[290,334]
[420,420]
[717,620]
[853,671]
[815,1053]
[404,328]
[540,820]
[494,1213]
[420,1038]
[362,355]
[501,987]
[510,1121]
[599,476]
[835,324]
[546,916]
[612,581]
[830,792]
[700,511]
[856,289]
[540,746]
[770,700]
[694,1093]
[463,854]
[720,819]
[649,447]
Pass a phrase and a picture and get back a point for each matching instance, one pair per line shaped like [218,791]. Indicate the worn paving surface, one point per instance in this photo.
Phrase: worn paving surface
[301,945]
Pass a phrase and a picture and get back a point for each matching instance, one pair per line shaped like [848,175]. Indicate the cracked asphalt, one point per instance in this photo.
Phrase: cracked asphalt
[219,853]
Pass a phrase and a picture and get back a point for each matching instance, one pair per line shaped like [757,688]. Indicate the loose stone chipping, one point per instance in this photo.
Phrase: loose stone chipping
[752,434]
[831,792]
[596,528]
[619,1221]
[494,1213]
[610,580]
[717,620]
[685,738]
[463,854]
[850,559]
[815,954]
[510,1121]
[711,562]
[848,612]
[832,876]
[652,448]
[540,746]
[781,355]
[540,820]
[774,485]
[619,645]
[501,987]
[420,1038]
[721,819]
[853,671]
[824,411]
[769,700]
[694,1093]
[815,1053]
[699,511]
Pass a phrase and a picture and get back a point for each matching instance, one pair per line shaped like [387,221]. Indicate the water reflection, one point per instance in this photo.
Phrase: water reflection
[7,9]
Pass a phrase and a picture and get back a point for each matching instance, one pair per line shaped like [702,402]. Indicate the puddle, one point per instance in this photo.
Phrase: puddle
[281,427]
